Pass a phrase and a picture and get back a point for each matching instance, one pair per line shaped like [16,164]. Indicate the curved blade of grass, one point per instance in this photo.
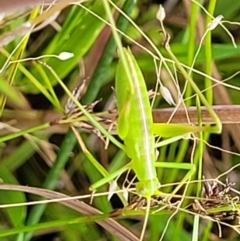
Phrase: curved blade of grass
[34,82]
[14,67]
[23,132]
[20,155]
[16,215]
[109,224]
[52,224]
[52,178]
[81,38]
[8,91]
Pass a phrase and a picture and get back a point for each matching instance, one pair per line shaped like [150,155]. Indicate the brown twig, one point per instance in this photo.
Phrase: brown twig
[228,114]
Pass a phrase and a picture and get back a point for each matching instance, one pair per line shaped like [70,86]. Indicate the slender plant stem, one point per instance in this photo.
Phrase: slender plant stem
[208,53]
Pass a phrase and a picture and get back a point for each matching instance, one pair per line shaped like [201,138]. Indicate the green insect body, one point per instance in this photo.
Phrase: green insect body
[135,125]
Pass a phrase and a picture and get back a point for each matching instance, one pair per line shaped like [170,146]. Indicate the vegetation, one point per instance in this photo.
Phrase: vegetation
[81,156]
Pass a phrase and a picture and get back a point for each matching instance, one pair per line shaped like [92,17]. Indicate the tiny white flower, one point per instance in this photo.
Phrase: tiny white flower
[2,125]
[215,22]
[161,13]
[65,55]
[111,190]
[166,95]
[187,136]
[156,154]
[2,15]
[125,194]
[27,25]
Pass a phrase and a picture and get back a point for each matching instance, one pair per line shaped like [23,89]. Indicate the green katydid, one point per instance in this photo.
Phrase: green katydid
[136,129]
[134,125]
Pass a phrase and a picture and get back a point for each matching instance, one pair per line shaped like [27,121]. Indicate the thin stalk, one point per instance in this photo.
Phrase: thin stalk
[85,112]
[191,44]
[18,54]
[218,127]
[208,53]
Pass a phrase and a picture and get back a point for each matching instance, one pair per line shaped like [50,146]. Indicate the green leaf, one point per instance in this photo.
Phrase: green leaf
[16,215]
[78,40]
[12,94]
